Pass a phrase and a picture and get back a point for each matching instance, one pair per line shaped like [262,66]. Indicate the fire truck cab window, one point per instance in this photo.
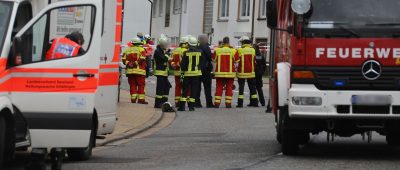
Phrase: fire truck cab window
[361,18]
[359,12]
[59,34]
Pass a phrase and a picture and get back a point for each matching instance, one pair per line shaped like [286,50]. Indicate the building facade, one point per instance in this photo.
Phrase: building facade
[177,17]
[234,18]
[136,19]
[216,18]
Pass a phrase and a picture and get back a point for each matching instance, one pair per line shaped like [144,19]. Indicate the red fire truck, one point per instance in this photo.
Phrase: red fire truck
[336,69]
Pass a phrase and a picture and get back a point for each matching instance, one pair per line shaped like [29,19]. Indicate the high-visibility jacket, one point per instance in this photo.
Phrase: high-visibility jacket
[61,48]
[192,62]
[224,57]
[246,61]
[176,59]
[149,49]
[160,62]
[137,55]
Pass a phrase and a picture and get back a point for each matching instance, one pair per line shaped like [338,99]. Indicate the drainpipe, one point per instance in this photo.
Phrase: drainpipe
[180,20]
[252,21]
[151,16]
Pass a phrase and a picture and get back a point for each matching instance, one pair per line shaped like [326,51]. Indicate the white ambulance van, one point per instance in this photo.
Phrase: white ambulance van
[58,103]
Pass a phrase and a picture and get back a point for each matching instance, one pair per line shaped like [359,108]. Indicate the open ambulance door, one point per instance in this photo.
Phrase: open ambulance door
[56,95]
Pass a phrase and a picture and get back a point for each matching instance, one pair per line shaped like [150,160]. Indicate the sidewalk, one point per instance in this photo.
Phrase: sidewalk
[132,119]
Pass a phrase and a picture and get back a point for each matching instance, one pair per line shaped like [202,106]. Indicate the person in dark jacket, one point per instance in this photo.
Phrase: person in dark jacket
[192,65]
[260,70]
[161,58]
[206,77]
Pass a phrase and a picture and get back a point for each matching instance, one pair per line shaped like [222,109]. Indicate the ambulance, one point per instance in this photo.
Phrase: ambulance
[59,103]
[335,68]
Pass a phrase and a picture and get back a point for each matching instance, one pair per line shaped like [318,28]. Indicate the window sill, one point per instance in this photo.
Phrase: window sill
[262,19]
[243,20]
[222,20]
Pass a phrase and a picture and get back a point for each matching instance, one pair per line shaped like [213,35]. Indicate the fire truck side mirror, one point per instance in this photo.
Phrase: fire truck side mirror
[272,16]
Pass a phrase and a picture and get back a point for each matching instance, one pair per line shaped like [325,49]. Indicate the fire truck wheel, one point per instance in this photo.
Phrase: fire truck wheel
[82,154]
[2,140]
[290,145]
[393,139]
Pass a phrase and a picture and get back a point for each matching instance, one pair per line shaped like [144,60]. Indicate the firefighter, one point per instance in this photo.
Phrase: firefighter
[175,63]
[224,57]
[246,59]
[134,58]
[206,77]
[191,66]
[260,70]
[68,46]
[149,52]
[161,58]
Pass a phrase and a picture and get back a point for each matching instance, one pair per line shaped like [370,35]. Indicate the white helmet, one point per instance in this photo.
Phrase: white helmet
[184,39]
[147,36]
[163,40]
[136,40]
[193,41]
[244,38]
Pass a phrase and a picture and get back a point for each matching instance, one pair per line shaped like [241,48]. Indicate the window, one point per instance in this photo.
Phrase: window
[160,8]
[155,3]
[244,9]
[167,12]
[184,4]
[5,13]
[49,38]
[223,9]
[263,9]
[177,6]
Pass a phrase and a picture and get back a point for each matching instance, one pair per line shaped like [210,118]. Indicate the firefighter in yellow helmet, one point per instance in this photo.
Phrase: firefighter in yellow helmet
[192,65]
[175,62]
[160,58]
[134,58]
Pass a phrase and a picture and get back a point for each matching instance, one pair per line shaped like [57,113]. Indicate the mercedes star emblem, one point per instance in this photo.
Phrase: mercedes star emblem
[371,70]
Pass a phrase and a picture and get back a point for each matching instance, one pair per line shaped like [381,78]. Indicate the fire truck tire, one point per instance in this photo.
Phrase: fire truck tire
[2,140]
[82,154]
[290,145]
[393,139]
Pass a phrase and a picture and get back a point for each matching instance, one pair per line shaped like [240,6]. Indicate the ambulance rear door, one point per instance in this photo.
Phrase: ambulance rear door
[57,95]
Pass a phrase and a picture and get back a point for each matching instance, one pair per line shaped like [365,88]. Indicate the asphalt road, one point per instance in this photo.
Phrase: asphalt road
[235,139]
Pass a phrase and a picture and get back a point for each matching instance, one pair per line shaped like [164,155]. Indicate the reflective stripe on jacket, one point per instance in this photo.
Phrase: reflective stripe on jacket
[136,54]
[192,62]
[224,58]
[160,62]
[176,60]
[246,62]
[61,48]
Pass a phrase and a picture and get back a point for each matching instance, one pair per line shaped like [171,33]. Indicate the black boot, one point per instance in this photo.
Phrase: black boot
[240,103]
[157,103]
[182,106]
[254,102]
[191,106]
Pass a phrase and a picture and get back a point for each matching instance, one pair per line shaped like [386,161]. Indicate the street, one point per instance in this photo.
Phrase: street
[236,139]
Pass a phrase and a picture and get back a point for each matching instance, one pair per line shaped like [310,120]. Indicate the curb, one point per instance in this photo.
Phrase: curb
[133,132]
